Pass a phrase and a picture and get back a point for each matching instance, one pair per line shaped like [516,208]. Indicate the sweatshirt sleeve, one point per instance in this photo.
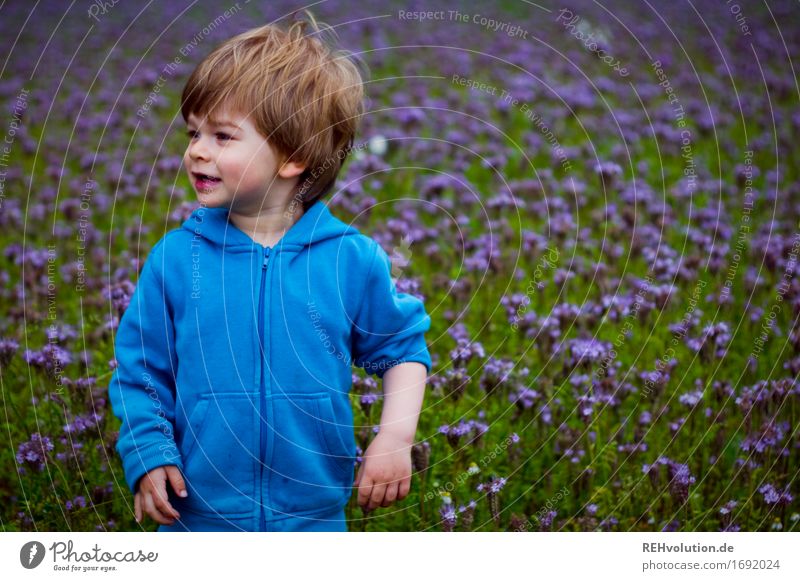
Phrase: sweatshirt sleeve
[142,388]
[389,327]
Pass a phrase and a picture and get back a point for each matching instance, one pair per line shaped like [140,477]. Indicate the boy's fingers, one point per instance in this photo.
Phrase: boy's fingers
[364,490]
[154,513]
[147,506]
[137,506]
[177,482]
[150,479]
[391,494]
[161,501]
[404,488]
[376,498]
[147,487]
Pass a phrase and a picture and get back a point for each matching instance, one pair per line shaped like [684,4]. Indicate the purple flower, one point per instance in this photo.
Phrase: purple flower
[680,480]
[60,333]
[454,381]
[455,432]
[546,415]
[546,520]
[449,517]
[410,286]
[671,526]
[73,450]
[81,423]
[524,397]
[77,502]
[466,349]
[34,452]
[364,384]
[491,488]
[713,342]
[120,295]
[731,528]
[52,359]
[676,425]
[587,351]
[574,454]
[692,398]
[8,347]
[496,485]
[773,496]
[478,430]
[470,505]
[728,507]
[607,171]
[770,435]
[367,400]
[495,372]
[467,513]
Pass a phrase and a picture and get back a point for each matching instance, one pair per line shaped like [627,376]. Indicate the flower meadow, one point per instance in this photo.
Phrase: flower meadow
[599,204]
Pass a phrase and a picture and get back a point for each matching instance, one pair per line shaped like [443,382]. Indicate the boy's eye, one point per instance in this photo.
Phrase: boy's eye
[222,136]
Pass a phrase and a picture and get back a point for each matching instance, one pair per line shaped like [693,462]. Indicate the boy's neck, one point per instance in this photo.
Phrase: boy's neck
[267,225]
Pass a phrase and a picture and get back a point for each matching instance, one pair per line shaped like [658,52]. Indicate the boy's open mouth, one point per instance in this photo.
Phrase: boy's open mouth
[203,181]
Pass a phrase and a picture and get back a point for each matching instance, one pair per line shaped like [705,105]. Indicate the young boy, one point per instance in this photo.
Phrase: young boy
[236,351]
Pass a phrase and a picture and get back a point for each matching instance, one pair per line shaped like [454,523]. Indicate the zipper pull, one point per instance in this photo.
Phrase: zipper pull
[266,257]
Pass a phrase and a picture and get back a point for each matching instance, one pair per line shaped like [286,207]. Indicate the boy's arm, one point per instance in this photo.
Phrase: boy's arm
[142,388]
[389,341]
[389,327]
[385,475]
[403,392]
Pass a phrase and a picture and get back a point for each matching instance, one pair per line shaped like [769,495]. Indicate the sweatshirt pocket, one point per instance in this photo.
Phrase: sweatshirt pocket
[312,461]
[219,454]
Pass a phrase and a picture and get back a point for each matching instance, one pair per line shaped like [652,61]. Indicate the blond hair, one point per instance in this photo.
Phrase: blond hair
[304,96]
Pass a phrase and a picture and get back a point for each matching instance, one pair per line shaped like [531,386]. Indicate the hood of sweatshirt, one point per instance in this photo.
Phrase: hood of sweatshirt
[315,225]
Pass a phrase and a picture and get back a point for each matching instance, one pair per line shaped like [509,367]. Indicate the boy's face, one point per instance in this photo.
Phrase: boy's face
[240,165]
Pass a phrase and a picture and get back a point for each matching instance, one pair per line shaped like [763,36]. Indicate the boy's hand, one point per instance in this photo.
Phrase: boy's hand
[385,474]
[152,494]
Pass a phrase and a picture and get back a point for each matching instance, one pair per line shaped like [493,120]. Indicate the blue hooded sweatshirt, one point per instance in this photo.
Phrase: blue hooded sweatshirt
[235,363]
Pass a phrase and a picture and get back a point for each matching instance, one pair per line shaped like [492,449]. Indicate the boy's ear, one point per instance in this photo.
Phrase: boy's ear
[290,169]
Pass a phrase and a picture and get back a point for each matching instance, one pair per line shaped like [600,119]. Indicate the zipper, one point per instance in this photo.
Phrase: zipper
[262,391]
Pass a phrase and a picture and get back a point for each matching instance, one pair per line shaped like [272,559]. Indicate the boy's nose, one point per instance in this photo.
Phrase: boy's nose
[197,150]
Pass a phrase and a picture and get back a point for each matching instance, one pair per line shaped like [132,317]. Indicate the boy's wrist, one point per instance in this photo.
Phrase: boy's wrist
[398,433]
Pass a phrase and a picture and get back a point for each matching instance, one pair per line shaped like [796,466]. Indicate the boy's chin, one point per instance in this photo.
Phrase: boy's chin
[209,200]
